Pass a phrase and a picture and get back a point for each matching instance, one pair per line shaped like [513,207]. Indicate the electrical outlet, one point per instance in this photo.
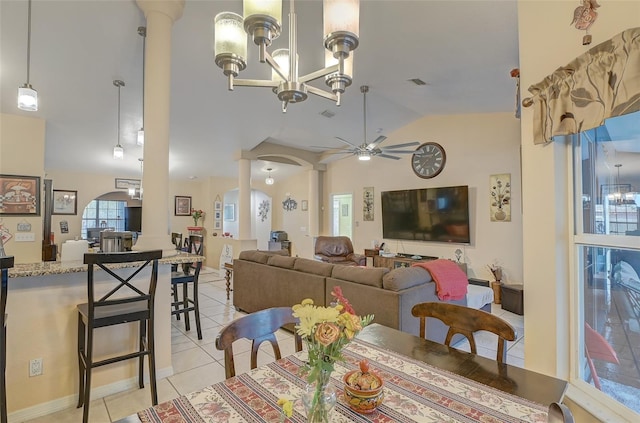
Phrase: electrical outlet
[35,367]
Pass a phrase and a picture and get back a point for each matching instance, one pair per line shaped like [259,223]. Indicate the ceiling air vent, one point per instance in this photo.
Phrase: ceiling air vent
[328,114]
[417,81]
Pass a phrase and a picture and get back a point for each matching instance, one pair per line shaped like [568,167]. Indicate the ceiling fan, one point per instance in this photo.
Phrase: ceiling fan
[365,151]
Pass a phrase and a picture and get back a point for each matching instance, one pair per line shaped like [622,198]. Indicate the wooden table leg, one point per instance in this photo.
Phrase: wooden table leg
[228,271]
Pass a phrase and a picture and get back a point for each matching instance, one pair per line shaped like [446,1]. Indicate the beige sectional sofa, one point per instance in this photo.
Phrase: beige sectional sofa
[263,280]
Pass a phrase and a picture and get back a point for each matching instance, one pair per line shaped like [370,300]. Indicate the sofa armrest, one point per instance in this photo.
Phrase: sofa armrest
[359,259]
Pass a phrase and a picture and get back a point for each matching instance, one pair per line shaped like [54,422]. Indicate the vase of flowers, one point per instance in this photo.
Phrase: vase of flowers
[325,331]
[196,214]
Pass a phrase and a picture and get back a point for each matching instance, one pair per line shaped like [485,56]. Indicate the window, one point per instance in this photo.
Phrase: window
[607,244]
[103,214]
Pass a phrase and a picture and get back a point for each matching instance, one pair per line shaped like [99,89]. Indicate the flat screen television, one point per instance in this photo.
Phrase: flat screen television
[427,214]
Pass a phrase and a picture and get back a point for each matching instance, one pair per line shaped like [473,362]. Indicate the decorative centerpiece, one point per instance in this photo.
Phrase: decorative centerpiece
[325,331]
[363,389]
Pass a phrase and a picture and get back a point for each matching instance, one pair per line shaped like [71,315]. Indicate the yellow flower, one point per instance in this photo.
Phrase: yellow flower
[327,333]
[287,406]
[352,324]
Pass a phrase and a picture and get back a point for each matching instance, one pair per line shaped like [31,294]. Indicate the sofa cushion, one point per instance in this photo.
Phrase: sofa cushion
[313,267]
[371,276]
[405,277]
[285,262]
[254,255]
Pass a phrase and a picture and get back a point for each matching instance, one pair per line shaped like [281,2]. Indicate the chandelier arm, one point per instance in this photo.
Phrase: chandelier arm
[319,73]
[256,83]
[322,93]
[276,67]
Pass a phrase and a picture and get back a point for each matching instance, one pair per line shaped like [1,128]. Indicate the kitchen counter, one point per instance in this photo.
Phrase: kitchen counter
[57,268]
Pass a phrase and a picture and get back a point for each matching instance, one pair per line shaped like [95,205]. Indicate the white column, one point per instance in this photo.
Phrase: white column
[244,199]
[160,17]
[314,203]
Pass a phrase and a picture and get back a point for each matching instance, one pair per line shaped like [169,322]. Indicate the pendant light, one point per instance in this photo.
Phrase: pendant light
[143,32]
[269,180]
[118,151]
[27,96]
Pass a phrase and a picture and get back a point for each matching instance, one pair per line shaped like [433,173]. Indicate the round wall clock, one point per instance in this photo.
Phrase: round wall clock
[428,160]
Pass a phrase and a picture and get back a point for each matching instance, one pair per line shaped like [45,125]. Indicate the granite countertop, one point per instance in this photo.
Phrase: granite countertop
[56,267]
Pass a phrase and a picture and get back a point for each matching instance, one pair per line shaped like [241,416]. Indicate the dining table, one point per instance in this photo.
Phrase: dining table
[424,381]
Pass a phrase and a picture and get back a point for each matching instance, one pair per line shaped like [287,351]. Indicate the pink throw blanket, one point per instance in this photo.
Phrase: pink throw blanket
[451,282]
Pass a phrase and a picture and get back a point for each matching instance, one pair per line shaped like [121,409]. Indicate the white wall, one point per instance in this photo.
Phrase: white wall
[477,146]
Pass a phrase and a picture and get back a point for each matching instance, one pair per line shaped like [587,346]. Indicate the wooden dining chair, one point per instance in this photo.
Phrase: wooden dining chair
[466,321]
[559,413]
[258,327]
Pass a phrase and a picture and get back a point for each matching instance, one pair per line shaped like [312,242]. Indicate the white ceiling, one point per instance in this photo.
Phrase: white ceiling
[464,50]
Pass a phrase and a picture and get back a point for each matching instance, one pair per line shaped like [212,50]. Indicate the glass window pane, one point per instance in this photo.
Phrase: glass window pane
[610,180]
[611,309]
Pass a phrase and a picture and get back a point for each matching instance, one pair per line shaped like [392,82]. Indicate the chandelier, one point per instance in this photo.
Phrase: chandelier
[27,96]
[118,151]
[262,20]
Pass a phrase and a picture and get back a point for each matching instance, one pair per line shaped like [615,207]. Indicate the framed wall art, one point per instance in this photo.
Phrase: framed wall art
[65,202]
[122,183]
[182,205]
[500,197]
[230,212]
[19,195]
[367,204]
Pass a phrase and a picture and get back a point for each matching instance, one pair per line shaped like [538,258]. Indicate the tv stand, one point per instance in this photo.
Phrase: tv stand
[405,260]
[411,256]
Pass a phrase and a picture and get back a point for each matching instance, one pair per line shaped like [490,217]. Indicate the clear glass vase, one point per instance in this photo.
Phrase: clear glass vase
[319,398]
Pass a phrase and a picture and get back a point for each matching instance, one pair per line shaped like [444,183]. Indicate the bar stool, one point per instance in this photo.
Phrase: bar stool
[186,304]
[132,304]
[5,264]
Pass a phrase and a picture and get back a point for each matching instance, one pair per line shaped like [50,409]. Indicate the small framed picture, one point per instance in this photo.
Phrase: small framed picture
[304,205]
[182,205]
[217,205]
[65,202]
[217,215]
[230,212]
[122,183]
[217,225]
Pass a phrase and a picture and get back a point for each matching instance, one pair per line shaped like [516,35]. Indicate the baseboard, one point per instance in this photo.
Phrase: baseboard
[70,401]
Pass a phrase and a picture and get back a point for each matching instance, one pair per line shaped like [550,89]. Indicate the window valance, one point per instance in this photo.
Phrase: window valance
[604,82]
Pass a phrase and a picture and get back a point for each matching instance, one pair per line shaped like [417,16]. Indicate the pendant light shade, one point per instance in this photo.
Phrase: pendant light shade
[118,151]
[27,96]
[140,139]
[269,180]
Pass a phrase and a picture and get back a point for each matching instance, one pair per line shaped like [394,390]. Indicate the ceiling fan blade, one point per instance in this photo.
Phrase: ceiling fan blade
[372,146]
[347,142]
[387,156]
[325,148]
[406,144]
[392,151]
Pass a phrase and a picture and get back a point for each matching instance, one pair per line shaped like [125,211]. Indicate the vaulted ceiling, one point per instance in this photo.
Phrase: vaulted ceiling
[463,50]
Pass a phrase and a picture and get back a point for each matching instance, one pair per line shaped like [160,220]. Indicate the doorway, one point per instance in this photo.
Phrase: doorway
[342,215]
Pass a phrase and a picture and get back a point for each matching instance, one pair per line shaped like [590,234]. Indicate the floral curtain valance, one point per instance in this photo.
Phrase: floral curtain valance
[603,82]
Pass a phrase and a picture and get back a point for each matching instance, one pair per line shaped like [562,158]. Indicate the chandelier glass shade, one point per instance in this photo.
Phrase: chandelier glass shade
[27,96]
[262,21]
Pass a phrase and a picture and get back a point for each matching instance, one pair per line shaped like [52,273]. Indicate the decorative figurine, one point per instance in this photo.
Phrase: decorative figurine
[584,16]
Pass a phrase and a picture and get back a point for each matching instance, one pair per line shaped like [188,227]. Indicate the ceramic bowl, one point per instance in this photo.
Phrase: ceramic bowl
[363,390]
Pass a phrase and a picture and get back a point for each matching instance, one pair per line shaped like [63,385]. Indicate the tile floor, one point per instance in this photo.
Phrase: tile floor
[197,363]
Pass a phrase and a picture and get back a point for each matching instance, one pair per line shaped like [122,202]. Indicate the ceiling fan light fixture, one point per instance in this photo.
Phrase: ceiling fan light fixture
[364,155]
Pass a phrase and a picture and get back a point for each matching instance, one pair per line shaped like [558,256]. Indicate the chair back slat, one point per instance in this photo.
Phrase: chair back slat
[257,327]
[465,321]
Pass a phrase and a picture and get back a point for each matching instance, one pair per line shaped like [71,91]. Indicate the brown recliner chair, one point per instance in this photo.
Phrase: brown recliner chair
[337,250]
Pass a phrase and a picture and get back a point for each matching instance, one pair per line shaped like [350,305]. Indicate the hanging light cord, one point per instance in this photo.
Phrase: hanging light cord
[118,139]
[364,141]
[29,44]
[143,32]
